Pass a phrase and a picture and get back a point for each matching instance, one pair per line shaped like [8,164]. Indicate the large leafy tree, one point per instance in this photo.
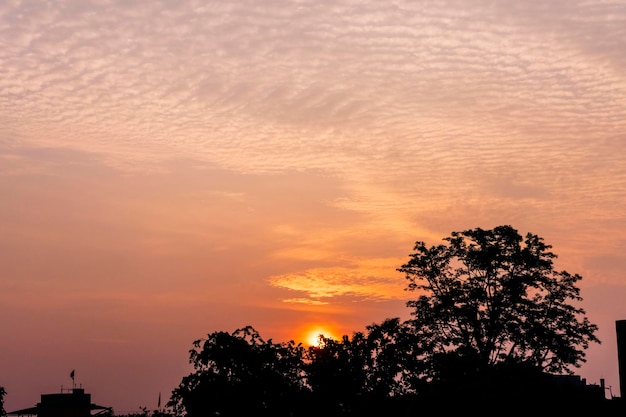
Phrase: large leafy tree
[492,297]
[239,373]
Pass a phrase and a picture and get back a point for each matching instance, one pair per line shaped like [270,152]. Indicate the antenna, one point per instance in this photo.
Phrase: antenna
[610,391]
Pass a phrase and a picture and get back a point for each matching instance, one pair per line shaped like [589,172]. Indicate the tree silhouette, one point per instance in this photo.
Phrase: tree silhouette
[395,359]
[336,372]
[239,373]
[3,392]
[491,300]
[365,374]
[492,325]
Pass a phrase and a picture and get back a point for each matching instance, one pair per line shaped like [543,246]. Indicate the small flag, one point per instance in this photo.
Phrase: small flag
[72,374]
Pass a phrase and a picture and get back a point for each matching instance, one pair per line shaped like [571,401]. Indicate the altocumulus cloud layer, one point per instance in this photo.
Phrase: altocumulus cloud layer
[405,101]
[335,132]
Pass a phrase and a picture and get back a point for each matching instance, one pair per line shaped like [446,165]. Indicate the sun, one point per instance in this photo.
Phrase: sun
[313,335]
[314,339]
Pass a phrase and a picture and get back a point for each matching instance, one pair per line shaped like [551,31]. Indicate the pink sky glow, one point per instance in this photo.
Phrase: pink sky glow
[173,168]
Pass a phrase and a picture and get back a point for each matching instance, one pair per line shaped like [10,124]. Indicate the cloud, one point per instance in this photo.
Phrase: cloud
[466,108]
[371,279]
[407,104]
[307,301]
[306,84]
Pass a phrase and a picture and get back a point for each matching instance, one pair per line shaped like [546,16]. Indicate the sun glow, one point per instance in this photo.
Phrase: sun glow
[313,335]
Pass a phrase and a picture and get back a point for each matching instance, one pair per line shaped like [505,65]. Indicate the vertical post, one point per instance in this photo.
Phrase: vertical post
[603,388]
[620,328]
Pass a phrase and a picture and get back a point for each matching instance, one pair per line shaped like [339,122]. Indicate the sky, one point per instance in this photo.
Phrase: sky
[173,168]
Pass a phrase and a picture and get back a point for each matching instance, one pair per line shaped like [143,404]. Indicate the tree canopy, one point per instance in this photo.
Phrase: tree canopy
[492,322]
[354,375]
[495,297]
[238,373]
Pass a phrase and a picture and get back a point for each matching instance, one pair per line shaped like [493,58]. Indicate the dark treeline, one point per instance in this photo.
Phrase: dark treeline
[494,329]
[371,373]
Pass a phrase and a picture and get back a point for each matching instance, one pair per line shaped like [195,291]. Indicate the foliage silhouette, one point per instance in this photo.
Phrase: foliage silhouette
[240,373]
[144,412]
[493,300]
[370,372]
[336,372]
[3,392]
[494,330]
[395,361]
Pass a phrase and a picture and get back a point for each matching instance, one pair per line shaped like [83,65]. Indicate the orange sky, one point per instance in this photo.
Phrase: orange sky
[173,168]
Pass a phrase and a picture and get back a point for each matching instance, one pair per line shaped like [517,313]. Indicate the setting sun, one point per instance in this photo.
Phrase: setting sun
[313,335]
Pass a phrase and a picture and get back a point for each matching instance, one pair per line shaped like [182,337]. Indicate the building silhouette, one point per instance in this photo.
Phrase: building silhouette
[620,329]
[72,402]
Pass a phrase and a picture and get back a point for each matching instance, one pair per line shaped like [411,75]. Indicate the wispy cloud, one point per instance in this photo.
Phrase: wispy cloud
[371,279]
